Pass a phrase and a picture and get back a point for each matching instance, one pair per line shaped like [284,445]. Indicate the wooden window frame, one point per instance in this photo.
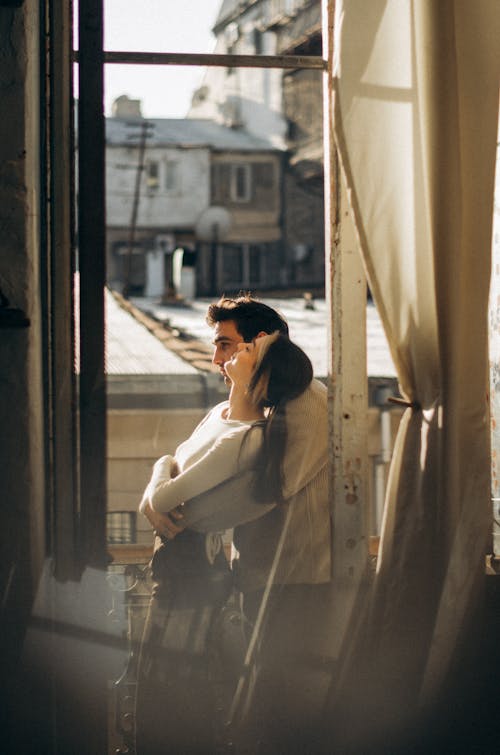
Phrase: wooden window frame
[235,195]
[153,176]
[345,292]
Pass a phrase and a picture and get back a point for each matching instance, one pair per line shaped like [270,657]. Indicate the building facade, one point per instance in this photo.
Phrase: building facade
[193,207]
[285,106]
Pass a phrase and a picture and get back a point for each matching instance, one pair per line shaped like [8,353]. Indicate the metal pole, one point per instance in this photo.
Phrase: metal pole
[212,60]
[213,272]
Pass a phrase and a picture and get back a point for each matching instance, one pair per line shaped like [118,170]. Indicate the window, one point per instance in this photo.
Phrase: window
[243,264]
[152,175]
[257,41]
[245,180]
[232,182]
[241,189]
[171,176]
[232,265]
[121,527]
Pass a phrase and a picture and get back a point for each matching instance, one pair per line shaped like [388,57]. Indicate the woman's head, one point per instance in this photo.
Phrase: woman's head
[272,370]
[282,371]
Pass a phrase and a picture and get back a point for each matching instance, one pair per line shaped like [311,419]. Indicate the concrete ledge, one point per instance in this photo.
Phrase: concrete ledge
[200,391]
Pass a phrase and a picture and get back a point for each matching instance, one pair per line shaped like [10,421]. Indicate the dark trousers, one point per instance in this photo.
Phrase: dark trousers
[175,699]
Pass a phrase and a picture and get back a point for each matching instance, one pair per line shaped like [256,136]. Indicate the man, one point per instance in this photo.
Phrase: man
[306,554]
[281,711]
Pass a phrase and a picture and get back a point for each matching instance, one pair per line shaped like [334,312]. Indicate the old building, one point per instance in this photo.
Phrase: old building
[285,106]
[298,32]
[193,185]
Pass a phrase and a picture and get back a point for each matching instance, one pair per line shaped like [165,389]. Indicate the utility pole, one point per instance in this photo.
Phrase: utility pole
[145,131]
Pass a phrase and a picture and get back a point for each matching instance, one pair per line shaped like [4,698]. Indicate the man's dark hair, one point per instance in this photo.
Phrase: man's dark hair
[250,316]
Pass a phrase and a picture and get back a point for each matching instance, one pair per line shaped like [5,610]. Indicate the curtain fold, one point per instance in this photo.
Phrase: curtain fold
[415,119]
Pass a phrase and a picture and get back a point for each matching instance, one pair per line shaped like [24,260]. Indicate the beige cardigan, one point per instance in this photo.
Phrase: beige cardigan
[306,556]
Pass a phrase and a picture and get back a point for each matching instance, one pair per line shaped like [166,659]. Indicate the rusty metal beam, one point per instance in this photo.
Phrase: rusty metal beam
[209,60]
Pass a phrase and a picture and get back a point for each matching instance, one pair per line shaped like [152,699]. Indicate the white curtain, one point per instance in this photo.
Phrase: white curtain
[415,119]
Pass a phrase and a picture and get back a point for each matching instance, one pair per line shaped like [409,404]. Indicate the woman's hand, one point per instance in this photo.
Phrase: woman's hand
[164,524]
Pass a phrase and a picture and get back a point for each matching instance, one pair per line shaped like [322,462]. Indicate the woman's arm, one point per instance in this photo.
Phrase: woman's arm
[228,505]
[166,525]
[164,469]
[228,457]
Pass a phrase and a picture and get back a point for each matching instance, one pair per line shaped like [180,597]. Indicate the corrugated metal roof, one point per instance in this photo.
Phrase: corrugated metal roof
[183,132]
[307,328]
[132,350]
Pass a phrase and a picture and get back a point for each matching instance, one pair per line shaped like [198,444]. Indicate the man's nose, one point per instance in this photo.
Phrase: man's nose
[240,346]
[216,357]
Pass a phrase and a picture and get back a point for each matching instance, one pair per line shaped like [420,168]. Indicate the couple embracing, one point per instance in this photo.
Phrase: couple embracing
[256,463]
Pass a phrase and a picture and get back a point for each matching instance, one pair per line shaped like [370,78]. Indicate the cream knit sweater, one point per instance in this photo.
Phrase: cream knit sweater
[218,449]
[306,556]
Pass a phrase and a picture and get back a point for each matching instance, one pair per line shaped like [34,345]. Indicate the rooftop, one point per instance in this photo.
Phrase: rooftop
[148,337]
[183,132]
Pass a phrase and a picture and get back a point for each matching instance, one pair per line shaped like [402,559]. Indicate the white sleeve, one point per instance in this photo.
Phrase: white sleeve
[162,471]
[228,505]
[230,455]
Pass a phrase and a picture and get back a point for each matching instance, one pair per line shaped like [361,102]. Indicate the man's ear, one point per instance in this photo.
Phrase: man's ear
[261,334]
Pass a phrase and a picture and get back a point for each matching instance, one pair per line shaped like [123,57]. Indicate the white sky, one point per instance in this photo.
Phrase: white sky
[157,26]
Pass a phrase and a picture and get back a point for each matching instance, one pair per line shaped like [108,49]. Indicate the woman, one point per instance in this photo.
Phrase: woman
[192,578]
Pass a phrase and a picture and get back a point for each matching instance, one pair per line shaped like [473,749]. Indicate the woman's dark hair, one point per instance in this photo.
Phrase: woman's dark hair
[282,372]
[250,316]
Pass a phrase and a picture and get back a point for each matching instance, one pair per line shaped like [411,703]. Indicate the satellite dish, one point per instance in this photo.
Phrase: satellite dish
[213,224]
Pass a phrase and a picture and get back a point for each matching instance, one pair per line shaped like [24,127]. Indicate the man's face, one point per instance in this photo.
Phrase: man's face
[225,343]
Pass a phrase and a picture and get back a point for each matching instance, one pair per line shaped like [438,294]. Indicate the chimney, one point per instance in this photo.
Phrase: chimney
[125,107]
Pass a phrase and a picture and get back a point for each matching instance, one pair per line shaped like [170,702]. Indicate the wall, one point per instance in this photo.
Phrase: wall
[250,97]
[304,222]
[158,208]
[137,438]
[22,529]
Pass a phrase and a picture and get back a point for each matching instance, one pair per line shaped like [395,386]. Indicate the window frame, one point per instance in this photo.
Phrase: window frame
[347,421]
[152,177]
[88,514]
[121,527]
[171,168]
[234,193]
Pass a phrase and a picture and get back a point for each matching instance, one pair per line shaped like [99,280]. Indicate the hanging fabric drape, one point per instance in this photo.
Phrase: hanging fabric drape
[416,109]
